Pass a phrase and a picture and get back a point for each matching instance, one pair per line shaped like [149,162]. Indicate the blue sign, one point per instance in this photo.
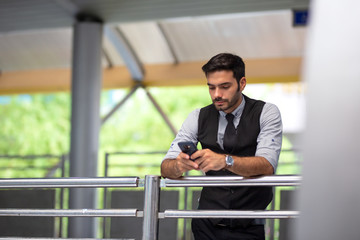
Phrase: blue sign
[300,17]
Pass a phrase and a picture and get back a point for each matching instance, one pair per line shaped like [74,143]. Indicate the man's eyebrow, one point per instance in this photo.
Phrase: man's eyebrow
[221,84]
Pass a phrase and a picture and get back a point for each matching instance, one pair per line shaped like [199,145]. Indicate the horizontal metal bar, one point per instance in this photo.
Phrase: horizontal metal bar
[205,181]
[33,238]
[71,212]
[69,182]
[227,214]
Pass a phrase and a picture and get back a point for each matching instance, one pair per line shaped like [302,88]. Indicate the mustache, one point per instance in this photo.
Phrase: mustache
[219,99]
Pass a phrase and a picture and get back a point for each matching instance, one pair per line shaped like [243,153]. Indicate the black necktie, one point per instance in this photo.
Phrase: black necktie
[230,133]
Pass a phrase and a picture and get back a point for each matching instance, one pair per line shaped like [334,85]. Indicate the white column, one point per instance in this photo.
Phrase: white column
[330,195]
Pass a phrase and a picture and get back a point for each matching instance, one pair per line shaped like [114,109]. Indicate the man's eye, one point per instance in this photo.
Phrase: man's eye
[225,87]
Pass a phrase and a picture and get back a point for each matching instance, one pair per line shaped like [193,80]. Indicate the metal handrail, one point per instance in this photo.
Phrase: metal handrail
[206,181]
[72,182]
[228,214]
[44,238]
[71,212]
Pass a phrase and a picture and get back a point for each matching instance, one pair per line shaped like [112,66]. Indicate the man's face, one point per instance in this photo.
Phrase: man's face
[224,91]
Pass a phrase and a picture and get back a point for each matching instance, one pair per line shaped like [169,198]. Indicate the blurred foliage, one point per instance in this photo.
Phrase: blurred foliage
[137,126]
[36,124]
[39,124]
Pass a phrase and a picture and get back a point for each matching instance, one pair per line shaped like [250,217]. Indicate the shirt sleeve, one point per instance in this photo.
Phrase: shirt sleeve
[270,136]
[187,132]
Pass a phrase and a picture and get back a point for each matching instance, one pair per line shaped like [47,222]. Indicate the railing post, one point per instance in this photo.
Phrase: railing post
[151,207]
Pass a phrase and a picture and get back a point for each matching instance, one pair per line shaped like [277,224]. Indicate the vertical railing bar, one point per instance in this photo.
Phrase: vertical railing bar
[272,221]
[186,193]
[151,207]
[63,158]
[105,193]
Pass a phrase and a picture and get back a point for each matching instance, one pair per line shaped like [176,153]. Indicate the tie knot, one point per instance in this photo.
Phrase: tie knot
[229,117]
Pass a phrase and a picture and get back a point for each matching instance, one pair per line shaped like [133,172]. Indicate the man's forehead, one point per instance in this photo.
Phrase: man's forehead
[220,79]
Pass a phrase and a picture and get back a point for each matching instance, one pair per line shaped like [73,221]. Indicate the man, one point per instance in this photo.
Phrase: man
[247,144]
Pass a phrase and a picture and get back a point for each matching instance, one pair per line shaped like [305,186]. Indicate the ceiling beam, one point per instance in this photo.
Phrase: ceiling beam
[279,70]
[125,50]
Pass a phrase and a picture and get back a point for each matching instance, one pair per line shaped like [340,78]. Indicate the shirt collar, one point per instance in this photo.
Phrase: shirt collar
[238,111]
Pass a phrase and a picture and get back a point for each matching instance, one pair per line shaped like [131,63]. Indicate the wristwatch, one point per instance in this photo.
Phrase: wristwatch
[229,161]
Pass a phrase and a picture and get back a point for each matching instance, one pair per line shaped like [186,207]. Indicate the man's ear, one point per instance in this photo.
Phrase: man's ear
[242,83]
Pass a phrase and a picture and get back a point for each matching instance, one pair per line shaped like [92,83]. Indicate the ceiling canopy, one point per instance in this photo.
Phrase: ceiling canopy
[171,40]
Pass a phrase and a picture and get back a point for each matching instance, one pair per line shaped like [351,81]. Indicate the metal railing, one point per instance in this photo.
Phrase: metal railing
[71,212]
[69,182]
[205,181]
[152,185]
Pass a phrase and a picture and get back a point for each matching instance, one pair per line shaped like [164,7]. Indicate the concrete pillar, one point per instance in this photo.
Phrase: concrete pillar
[330,194]
[85,119]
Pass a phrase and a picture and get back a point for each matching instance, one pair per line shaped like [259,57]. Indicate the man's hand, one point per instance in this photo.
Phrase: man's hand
[184,164]
[174,168]
[208,160]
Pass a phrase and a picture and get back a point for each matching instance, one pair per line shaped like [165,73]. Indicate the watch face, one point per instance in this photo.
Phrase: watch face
[229,160]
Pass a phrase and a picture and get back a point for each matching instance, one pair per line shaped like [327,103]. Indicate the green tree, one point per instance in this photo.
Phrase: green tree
[36,124]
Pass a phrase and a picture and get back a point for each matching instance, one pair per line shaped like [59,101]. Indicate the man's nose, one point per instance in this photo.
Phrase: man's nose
[217,93]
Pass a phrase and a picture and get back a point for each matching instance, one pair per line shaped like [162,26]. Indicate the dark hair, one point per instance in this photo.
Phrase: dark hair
[226,61]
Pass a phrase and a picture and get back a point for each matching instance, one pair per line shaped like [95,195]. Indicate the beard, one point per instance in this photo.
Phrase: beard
[222,104]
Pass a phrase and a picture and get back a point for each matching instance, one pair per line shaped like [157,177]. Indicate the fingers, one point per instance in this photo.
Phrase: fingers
[184,163]
[198,154]
[209,160]
[205,160]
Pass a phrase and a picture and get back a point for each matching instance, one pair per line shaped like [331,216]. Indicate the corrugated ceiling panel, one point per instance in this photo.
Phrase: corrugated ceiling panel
[258,35]
[35,50]
[251,35]
[148,42]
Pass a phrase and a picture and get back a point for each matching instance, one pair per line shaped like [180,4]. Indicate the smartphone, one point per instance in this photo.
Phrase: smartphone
[187,147]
